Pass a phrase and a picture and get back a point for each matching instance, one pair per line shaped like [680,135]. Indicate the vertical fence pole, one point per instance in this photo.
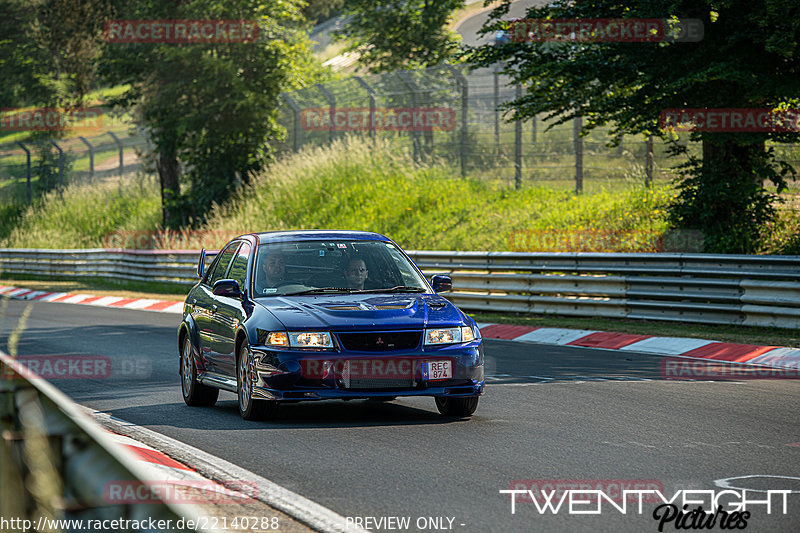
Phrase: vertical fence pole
[91,156]
[578,142]
[119,147]
[60,165]
[27,170]
[297,126]
[409,83]
[648,161]
[533,129]
[461,80]
[371,94]
[496,76]
[332,102]
[518,143]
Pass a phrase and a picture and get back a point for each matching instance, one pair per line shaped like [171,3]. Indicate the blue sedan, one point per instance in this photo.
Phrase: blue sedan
[312,315]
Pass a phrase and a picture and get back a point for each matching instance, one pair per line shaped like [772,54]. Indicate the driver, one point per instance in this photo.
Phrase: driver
[273,269]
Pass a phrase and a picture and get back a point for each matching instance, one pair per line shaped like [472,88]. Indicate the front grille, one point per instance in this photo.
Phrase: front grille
[381,341]
[377,374]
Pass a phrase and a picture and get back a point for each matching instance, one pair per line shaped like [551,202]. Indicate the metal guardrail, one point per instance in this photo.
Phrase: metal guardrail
[700,288]
[56,463]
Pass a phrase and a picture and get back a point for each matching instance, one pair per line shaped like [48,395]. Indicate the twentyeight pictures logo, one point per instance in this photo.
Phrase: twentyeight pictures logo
[181,31]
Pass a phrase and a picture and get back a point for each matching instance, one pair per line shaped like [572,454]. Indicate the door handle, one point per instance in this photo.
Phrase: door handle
[214,308]
[194,300]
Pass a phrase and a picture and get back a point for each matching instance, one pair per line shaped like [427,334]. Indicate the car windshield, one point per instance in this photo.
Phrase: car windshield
[333,267]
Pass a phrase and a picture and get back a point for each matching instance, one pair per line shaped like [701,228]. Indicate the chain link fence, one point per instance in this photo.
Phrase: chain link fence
[481,138]
[445,112]
[28,167]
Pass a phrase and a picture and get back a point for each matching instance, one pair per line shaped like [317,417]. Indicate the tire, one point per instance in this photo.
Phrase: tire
[195,394]
[250,408]
[461,407]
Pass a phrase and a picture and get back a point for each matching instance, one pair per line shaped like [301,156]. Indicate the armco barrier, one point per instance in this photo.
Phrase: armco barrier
[54,459]
[703,288]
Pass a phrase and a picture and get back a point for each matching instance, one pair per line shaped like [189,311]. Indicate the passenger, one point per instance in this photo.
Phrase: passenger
[356,273]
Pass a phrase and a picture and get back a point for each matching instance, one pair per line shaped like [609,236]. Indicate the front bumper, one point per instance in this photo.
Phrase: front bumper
[296,375]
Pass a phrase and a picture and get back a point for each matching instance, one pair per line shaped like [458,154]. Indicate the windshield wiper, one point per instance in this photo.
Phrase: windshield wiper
[321,290]
[399,288]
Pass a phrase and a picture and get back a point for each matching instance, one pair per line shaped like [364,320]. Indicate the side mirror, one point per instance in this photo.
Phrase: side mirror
[441,283]
[227,287]
[201,264]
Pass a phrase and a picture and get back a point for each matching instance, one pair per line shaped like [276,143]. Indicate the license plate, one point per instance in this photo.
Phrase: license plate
[437,370]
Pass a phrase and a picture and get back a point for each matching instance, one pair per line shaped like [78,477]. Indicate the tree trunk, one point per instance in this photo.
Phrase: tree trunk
[169,174]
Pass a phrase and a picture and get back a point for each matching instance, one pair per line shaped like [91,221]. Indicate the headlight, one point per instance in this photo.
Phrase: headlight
[273,338]
[310,339]
[449,335]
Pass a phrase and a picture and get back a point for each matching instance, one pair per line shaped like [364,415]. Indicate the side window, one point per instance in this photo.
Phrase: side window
[239,267]
[222,265]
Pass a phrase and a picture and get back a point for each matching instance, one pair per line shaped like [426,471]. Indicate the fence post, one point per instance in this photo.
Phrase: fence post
[533,128]
[464,116]
[409,83]
[496,76]
[332,102]
[578,142]
[91,156]
[296,112]
[518,142]
[648,161]
[119,147]
[60,165]
[27,170]
[371,94]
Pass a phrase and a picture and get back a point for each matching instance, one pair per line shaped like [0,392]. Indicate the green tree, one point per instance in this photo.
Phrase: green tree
[400,34]
[210,108]
[748,58]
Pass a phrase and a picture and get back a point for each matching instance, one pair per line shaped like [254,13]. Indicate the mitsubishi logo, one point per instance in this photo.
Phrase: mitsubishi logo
[379,341]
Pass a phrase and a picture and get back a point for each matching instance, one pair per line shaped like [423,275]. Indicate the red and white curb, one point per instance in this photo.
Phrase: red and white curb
[772,356]
[144,304]
[174,469]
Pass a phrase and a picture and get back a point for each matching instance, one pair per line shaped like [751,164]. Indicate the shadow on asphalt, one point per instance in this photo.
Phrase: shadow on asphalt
[326,414]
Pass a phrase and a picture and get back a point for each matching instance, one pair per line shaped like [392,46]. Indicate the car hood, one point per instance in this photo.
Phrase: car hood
[362,311]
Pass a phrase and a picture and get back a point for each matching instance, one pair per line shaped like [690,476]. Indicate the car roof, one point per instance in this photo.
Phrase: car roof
[316,235]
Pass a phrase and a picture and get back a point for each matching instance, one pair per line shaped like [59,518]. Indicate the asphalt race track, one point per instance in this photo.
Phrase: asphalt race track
[550,413]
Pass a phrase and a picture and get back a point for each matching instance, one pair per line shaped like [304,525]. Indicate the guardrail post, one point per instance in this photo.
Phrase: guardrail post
[648,161]
[296,111]
[332,101]
[91,156]
[578,142]
[60,165]
[371,94]
[119,146]
[27,170]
